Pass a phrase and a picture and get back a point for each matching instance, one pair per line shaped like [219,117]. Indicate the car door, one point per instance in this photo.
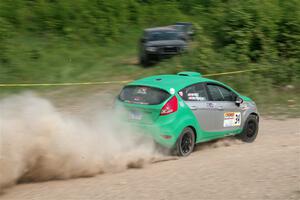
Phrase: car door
[196,97]
[227,113]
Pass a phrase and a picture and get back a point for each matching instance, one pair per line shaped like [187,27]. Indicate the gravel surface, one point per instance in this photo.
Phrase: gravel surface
[269,168]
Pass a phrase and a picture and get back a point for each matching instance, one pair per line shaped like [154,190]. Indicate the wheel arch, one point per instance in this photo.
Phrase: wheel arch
[195,132]
[255,114]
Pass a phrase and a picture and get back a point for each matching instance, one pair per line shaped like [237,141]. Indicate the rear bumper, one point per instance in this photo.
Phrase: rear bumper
[165,135]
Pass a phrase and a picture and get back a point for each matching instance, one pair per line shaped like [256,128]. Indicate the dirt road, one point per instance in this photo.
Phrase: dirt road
[226,169]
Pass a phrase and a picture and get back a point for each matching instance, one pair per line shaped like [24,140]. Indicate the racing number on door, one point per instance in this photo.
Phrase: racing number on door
[237,121]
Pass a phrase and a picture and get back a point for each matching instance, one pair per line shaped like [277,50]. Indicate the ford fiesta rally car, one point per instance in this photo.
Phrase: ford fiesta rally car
[181,110]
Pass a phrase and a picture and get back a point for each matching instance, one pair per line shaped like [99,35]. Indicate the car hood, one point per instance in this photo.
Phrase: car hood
[166,43]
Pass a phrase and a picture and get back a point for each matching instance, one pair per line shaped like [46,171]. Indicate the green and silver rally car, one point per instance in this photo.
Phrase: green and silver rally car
[181,110]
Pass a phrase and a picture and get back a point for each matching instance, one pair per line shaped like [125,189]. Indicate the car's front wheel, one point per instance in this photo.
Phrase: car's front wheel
[250,130]
[186,142]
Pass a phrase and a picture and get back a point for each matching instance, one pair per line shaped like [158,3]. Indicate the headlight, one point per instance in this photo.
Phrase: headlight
[152,49]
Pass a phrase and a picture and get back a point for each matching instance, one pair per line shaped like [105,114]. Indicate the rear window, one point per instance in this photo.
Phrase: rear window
[143,95]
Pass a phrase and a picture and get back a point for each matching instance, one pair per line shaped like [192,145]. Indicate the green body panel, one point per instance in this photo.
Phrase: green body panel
[166,82]
[172,125]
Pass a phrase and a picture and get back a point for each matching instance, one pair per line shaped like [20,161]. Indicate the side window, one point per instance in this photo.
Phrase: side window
[215,93]
[219,93]
[195,92]
[227,94]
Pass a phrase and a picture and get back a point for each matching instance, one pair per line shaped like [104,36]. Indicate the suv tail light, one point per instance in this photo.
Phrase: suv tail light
[170,107]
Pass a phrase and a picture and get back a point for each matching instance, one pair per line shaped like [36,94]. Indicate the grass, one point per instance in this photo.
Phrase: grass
[53,60]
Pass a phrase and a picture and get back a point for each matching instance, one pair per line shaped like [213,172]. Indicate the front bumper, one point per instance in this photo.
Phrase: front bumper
[166,51]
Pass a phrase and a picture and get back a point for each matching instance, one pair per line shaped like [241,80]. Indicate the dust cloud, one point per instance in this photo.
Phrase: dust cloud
[39,143]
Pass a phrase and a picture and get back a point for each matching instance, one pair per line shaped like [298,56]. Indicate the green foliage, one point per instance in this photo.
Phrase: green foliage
[40,39]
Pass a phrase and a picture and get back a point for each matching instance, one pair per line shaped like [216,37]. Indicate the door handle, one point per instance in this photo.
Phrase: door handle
[193,107]
[220,107]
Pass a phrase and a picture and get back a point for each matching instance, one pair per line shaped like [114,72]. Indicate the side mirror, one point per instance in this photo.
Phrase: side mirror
[239,101]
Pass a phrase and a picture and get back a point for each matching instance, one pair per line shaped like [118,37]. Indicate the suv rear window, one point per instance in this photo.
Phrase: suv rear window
[143,95]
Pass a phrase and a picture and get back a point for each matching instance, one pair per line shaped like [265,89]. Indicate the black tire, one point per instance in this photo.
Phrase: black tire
[141,60]
[144,60]
[185,143]
[250,129]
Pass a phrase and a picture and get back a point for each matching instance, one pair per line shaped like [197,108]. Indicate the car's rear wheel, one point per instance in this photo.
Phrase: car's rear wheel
[250,130]
[186,142]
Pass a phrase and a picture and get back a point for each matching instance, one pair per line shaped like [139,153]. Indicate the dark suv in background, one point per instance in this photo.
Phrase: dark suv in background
[160,42]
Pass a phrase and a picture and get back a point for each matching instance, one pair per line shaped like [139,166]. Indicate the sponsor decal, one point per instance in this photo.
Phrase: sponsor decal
[210,105]
[232,119]
[193,94]
[196,98]
[244,106]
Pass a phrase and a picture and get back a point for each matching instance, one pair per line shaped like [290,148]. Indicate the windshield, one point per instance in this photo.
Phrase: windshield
[181,28]
[163,35]
[143,95]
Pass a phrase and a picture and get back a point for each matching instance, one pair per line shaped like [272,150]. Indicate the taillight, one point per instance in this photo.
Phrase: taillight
[170,107]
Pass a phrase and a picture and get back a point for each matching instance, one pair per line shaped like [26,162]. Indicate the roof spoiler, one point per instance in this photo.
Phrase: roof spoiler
[192,74]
